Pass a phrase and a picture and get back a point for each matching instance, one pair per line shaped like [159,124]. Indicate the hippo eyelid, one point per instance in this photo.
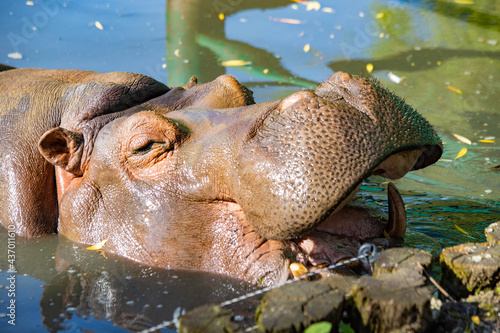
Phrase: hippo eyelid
[143,143]
[149,146]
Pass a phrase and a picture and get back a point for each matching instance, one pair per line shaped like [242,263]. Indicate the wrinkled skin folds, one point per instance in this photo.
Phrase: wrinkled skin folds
[201,177]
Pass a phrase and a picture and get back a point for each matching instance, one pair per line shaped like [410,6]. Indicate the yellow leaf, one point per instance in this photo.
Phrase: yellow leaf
[369,68]
[475,320]
[379,15]
[298,269]
[307,47]
[464,2]
[462,139]
[461,153]
[97,246]
[386,235]
[461,230]
[232,63]
[265,71]
[487,141]
[30,3]
[221,16]
[98,25]
[458,91]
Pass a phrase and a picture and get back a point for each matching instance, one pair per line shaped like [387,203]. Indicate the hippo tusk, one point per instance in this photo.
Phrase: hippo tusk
[396,227]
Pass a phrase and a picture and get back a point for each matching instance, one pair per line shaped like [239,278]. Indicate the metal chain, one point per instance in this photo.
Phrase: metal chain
[367,254]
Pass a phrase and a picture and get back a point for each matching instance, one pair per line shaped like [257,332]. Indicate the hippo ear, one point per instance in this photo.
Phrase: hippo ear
[63,148]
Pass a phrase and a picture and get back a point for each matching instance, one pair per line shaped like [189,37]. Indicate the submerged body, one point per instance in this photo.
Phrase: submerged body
[201,178]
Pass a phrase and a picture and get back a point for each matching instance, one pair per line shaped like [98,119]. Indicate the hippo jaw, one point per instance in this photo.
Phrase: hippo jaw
[336,238]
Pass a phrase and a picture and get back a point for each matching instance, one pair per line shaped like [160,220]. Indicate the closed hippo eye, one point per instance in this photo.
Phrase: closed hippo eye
[146,150]
[144,143]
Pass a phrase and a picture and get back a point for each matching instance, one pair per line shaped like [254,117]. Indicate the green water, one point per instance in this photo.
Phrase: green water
[446,54]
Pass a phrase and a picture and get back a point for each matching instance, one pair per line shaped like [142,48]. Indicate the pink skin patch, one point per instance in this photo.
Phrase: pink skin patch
[353,222]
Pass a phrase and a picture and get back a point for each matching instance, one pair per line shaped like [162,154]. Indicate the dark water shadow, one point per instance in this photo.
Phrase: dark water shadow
[412,61]
[100,288]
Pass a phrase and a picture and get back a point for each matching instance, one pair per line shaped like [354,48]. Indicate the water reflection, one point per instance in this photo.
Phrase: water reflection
[448,55]
[101,288]
[197,45]
[413,60]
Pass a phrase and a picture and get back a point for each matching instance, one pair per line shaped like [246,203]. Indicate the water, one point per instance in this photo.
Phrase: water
[446,54]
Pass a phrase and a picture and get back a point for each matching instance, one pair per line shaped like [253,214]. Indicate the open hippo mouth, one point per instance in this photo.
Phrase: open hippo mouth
[300,170]
[341,234]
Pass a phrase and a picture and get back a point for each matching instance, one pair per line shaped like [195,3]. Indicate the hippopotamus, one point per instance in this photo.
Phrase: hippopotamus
[201,177]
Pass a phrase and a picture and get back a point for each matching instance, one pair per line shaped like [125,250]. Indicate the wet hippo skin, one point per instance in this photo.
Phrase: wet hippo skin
[200,177]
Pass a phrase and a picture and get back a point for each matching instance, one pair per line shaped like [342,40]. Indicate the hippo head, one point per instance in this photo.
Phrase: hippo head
[243,190]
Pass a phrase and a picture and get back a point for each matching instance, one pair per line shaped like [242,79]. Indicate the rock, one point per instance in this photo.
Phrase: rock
[459,317]
[294,307]
[492,233]
[208,319]
[469,268]
[489,301]
[343,283]
[392,302]
[392,260]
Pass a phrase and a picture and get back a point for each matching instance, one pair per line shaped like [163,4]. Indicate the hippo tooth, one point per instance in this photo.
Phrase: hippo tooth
[298,269]
[396,227]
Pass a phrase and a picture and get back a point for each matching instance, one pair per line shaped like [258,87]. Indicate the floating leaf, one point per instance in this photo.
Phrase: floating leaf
[97,246]
[394,78]
[233,63]
[379,15]
[98,25]
[458,91]
[464,2]
[319,327]
[328,10]
[310,5]
[487,141]
[461,230]
[15,55]
[462,139]
[307,47]
[461,153]
[369,68]
[30,3]
[265,71]
[221,16]
[285,20]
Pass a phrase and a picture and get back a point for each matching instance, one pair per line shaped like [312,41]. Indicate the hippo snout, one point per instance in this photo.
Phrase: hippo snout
[318,147]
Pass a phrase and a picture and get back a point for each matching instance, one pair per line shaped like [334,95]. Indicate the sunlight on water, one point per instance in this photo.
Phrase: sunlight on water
[442,56]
